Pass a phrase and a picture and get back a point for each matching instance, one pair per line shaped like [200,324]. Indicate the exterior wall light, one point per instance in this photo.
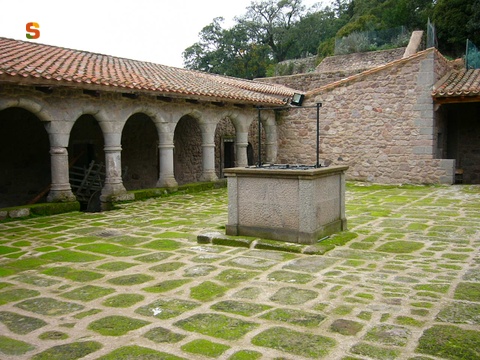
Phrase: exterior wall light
[297,99]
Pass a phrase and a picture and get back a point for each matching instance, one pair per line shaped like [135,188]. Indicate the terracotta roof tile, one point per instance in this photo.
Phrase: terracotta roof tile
[42,64]
[458,83]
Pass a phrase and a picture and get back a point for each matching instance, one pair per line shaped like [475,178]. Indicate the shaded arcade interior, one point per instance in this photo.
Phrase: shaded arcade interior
[26,162]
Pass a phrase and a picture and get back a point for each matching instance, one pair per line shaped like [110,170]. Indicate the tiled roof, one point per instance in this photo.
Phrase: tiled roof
[33,63]
[458,83]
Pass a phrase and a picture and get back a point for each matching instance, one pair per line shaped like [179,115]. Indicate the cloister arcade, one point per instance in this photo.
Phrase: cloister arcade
[143,141]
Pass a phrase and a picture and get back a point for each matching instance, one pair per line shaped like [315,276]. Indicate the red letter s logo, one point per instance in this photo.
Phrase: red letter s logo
[32,28]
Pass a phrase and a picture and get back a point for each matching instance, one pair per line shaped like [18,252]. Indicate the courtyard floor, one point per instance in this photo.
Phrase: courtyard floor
[134,283]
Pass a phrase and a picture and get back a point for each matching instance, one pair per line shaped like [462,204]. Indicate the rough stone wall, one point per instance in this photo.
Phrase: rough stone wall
[359,61]
[335,68]
[309,81]
[296,66]
[380,123]
[188,151]
[140,153]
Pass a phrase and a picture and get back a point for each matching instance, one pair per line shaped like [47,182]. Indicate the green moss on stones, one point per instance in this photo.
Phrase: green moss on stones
[116,325]
[167,308]
[167,267]
[88,293]
[53,335]
[123,300]
[468,291]
[70,351]
[207,291]
[70,256]
[49,306]
[163,244]
[346,327]
[294,342]
[73,274]
[205,348]
[460,312]
[162,335]
[217,325]
[293,296]
[16,295]
[9,346]
[388,335]
[116,266]
[246,355]
[110,249]
[290,277]
[240,307]
[87,313]
[235,276]
[128,280]
[400,247]
[20,324]
[375,352]
[138,352]
[166,285]
[295,317]
[450,342]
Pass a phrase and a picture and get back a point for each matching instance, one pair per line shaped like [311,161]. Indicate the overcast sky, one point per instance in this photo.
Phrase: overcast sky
[148,30]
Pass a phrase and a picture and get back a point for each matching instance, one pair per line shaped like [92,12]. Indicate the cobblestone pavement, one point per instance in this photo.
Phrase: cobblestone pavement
[133,283]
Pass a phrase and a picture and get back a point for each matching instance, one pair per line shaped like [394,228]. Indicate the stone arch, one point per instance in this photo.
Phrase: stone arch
[140,152]
[36,108]
[86,146]
[25,173]
[225,141]
[86,143]
[187,140]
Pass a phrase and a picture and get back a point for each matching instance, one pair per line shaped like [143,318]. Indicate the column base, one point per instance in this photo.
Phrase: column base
[61,196]
[209,176]
[167,182]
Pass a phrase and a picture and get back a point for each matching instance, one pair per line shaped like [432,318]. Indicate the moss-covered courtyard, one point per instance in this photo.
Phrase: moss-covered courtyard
[138,282]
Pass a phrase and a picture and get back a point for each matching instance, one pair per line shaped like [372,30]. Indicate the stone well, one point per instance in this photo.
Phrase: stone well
[287,204]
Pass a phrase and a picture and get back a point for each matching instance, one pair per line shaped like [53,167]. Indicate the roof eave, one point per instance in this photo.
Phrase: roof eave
[269,100]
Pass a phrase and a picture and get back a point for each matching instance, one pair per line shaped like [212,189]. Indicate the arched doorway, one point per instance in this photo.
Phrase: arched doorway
[188,150]
[86,160]
[140,153]
[25,173]
[225,156]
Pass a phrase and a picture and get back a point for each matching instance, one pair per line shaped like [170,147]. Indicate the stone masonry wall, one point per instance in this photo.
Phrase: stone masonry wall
[380,123]
[335,68]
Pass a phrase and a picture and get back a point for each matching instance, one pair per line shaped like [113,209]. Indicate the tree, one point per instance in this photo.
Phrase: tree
[270,22]
[473,24]
[451,18]
[228,52]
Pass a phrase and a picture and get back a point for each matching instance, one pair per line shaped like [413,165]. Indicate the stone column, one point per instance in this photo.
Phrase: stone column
[208,152]
[60,189]
[113,188]
[242,144]
[167,174]
[271,145]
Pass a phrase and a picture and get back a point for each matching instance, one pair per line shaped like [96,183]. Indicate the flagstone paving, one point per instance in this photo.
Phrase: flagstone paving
[134,283]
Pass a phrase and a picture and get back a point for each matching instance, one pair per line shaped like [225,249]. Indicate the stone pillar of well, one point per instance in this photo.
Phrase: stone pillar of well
[208,152]
[60,189]
[167,174]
